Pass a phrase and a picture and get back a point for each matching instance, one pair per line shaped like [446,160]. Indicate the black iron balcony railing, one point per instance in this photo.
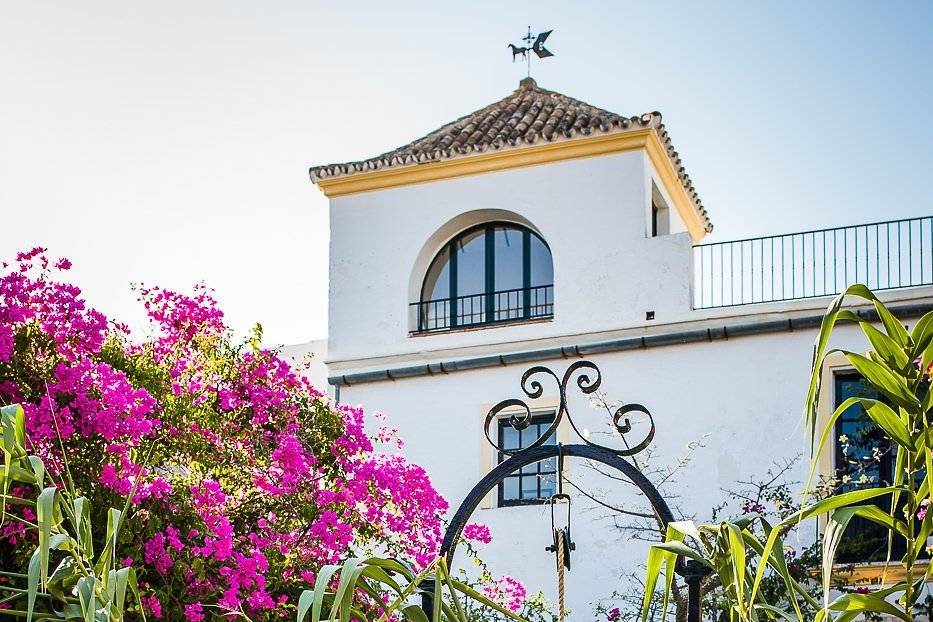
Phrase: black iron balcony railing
[508,305]
[882,255]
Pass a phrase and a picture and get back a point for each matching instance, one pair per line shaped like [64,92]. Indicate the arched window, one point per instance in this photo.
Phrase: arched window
[491,273]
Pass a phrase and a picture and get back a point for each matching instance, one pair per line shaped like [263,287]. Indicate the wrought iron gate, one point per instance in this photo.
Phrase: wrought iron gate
[587,377]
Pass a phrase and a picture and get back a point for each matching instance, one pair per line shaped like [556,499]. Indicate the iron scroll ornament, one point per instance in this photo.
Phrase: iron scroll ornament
[534,389]
[691,571]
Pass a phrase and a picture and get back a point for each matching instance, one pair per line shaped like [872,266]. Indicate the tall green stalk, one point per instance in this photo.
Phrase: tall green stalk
[82,586]
[742,552]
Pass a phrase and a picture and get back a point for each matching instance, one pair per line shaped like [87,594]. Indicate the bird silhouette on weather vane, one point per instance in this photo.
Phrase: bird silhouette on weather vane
[532,44]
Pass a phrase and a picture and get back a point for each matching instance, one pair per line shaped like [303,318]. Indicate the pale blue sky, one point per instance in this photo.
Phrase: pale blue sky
[169,142]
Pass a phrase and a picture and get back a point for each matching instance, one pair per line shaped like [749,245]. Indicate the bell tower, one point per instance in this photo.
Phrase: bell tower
[534,218]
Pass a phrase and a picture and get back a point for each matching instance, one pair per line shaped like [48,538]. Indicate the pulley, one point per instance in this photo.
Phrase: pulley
[561,535]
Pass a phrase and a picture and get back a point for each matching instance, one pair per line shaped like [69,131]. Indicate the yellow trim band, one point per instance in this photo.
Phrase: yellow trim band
[589,146]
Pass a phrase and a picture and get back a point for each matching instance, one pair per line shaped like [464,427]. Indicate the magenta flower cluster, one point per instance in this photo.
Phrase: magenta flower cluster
[477,532]
[507,591]
[244,479]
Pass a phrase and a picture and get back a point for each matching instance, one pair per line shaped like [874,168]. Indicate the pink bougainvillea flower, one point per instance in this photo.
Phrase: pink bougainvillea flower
[477,532]
[245,478]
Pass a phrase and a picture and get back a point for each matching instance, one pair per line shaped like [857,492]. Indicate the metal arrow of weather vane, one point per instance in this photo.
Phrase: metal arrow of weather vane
[532,44]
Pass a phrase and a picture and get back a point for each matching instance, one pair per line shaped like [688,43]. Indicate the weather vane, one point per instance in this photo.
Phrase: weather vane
[532,44]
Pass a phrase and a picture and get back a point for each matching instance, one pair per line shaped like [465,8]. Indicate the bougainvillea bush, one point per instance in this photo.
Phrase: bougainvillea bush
[243,479]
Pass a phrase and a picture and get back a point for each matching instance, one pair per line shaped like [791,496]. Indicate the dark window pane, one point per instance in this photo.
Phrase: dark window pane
[503,272]
[510,488]
[533,483]
[509,436]
[508,258]
[471,263]
[542,267]
[864,459]
[437,281]
[529,488]
[435,307]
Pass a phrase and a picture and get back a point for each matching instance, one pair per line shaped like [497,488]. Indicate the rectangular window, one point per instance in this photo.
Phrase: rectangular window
[660,214]
[537,482]
[864,458]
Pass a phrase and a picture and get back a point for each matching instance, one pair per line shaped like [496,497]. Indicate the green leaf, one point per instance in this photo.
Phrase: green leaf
[772,556]
[45,512]
[879,412]
[886,381]
[859,603]
[305,600]
[82,512]
[414,613]
[85,589]
[109,553]
[656,558]
[13,420]
[838,501]
[835,528]
[737,559]
[320,587]
[922,335]
[32,583]
[892,325]
[886,347]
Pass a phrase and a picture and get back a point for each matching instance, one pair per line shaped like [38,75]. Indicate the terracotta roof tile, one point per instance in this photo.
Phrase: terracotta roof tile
[529,115]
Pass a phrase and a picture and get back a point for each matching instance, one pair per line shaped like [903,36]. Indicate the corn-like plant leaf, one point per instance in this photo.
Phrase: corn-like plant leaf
[737,559]
[38,471]
[778,613]
[893,354]
[32,583]
[109,552]
[886,381]
[86,588]
[133,583]
[879,412]
[82,528]
[317,597]
[346,599]
[834,312]
[838,501]
[45,515]
[414,613]
[13,420]
[860,603]
[892,325]
[346,584]
[438,600]
[772,556]
[836,525]
[664,556]
[305,601]
[922,335]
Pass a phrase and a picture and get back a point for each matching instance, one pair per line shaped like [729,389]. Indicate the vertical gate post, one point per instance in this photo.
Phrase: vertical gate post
[427,597]
[693,574]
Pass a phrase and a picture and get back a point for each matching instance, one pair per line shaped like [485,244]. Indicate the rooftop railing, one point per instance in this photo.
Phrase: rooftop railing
[809,264]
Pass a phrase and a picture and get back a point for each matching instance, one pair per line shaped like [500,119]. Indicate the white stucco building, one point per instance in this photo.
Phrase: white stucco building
[542,230]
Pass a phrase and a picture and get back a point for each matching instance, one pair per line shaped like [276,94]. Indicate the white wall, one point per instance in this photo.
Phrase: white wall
[590,211]
[743,397]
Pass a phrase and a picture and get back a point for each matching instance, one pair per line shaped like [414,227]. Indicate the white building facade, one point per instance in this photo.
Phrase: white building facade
[541,231]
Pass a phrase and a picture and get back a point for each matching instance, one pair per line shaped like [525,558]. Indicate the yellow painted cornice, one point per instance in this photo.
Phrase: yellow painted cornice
[603,144]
